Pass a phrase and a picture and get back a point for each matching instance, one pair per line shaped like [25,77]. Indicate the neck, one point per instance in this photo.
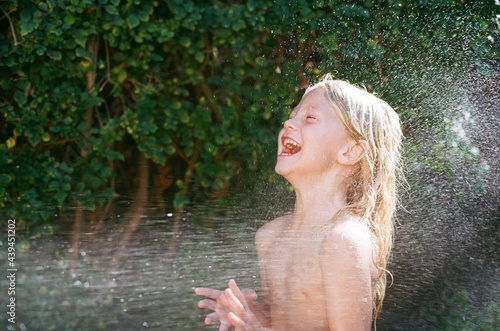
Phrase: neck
[317,201]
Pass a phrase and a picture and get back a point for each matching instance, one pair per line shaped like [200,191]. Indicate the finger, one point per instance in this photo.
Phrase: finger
[212,317]
[250,295]
[222,300]
[207,304]
[224,326]
[237,292]
[237,322]
[235,304]
[208,292]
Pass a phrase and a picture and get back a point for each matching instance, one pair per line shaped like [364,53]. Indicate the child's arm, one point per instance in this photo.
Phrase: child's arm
[263,240]
[346,265]
[246,316]
[218,300]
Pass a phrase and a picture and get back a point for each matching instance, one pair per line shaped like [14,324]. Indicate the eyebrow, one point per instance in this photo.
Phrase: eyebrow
[307,109]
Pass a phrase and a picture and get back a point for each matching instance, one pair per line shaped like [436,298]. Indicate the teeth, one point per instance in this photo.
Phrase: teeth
[291,142]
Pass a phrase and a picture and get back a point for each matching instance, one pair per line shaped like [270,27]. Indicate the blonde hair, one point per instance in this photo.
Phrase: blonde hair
[371,194]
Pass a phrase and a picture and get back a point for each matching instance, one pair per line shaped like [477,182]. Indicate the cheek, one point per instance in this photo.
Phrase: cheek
[330,144]
[280,135]
[337,135]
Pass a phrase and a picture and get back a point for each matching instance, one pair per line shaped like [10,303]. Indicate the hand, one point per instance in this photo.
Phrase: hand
[240,316]
[217,301]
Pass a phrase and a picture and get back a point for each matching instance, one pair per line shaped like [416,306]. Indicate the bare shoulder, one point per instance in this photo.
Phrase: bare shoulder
[348,272]
[348,239]
[269,231]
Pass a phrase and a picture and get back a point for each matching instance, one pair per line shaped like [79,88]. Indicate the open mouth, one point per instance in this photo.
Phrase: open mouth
[290,146]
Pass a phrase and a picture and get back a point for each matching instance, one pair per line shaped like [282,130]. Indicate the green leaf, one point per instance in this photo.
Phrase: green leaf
[122,75]
[170,150]
[11,142]
[43,6]
[82,52]
[80,37]
[132,21]
[144,15]
[185,41]
[69,19]
[111,10]
[53,185]
[56,55]
[27,24]
[199,56]
[113,155]
[33,138]
[60,196]
[238,25]
[4,179]
[20,97]
[183,116]
[46,137]
[66,168]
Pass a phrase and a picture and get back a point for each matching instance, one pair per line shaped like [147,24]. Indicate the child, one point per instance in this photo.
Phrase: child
[323,267]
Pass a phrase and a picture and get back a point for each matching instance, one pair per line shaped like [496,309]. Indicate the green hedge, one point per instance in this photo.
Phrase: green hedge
[200,88]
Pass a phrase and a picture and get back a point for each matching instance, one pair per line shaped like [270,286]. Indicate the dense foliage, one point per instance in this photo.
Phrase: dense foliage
[198,89]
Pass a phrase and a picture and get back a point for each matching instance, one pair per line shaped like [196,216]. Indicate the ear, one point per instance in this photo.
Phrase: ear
[353,152]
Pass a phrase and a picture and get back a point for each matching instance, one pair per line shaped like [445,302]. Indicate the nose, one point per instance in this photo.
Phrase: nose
[290,124]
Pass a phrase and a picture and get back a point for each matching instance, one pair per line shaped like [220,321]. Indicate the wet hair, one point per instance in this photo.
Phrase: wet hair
[371,190]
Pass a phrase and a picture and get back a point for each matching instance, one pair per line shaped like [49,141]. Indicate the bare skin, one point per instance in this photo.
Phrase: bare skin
[317,280]
[316,271]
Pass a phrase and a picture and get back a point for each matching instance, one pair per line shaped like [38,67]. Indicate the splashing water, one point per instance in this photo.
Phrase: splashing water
[446,253]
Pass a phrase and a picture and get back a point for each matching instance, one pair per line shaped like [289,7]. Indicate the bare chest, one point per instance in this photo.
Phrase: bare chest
[294,262]
[294,279]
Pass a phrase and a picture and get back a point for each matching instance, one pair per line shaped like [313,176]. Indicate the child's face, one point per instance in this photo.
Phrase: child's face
[311,138]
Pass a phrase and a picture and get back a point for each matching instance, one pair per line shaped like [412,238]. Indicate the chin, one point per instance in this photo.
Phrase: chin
[282,169]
